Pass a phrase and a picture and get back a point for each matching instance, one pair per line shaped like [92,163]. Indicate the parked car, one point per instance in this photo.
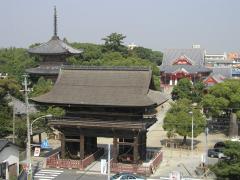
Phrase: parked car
[219,145]
[216,153]
[126,176]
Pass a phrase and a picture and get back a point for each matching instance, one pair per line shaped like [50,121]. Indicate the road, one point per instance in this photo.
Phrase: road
[60,174]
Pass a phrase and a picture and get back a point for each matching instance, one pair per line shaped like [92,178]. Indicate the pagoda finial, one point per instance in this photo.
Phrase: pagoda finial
[55,21]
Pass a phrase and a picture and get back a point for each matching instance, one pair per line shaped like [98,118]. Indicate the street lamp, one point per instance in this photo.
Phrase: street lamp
[29,132]
[192,130]
[45,116]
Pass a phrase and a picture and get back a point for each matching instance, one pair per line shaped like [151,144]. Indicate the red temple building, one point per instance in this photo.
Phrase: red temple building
[182,63]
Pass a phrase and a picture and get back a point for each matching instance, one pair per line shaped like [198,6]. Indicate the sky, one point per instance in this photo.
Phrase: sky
[155,24]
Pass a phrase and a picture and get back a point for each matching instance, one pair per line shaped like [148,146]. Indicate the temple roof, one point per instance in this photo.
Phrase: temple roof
[44,70]
[195,55]
[103,86]
[54,47]
[190,69]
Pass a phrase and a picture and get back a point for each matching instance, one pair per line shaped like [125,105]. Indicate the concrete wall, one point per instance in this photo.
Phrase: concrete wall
[10,154]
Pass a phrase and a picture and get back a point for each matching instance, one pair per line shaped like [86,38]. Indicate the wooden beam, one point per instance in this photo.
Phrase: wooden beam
[81,146]
[62,146]
[72,140]
[115,149]
[135,149]
[126,143]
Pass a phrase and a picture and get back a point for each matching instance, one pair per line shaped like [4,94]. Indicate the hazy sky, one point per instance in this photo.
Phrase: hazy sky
[156,24]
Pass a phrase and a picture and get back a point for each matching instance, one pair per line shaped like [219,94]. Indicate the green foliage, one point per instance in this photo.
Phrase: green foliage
[147,54]
[56,111]
[229,169]
[223,97]
[179,120]
[43,86]
[185,89]
[7,85]
[14,61]
[114,42]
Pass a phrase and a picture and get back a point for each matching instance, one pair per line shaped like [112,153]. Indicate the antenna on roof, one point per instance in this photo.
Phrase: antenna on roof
[55,21]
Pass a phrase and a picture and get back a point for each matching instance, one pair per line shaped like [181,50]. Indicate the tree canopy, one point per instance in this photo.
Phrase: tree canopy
[179,120]
[41,87]
[14,61]
[223,97]
[229,168]
[114,42]
[7,86]
[185,89]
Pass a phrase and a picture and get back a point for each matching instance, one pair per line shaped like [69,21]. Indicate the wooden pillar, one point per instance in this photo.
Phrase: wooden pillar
[63,146]
[144,145]
[81,146]
[114,149]
[135,149]
[31,140]
[40,138]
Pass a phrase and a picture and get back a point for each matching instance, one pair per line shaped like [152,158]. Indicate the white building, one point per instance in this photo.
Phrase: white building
[9,159]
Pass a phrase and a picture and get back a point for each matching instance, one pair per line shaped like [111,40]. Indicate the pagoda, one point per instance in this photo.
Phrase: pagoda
[112,102]
[52,55]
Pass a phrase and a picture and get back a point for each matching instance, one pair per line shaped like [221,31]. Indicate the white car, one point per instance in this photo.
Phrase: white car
[126,176]
[235,139]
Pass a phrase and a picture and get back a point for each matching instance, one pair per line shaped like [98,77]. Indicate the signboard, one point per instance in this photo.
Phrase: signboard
[44,144]
[103,166]
[37,151]
[175,175]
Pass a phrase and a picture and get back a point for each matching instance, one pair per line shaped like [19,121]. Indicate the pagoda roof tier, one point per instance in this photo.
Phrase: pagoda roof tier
[103,86]
[44,70]
[54,47]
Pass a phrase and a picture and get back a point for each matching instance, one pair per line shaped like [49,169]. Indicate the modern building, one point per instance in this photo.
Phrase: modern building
[112,102]
[52,55]
[9,160]
[182,63]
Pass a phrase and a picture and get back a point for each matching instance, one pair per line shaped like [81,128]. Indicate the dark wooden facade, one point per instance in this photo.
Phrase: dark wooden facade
[104,102]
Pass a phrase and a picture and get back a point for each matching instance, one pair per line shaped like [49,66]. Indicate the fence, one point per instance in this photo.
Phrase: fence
[138,168]
[53,161]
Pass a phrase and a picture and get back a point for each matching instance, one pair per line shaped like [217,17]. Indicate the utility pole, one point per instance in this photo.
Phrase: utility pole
[109,159]
[206,144]
[192,133]
[14,123]
[28,149]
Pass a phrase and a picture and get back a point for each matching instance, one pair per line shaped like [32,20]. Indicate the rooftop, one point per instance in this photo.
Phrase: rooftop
[103,86]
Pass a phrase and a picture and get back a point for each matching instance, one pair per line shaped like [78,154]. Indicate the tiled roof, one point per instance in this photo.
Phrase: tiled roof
[53,47]
[44,70]
[224,71]
[106,86]
[188,68]
[195,55]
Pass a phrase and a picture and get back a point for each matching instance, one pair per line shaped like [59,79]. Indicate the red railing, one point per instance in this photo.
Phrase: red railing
[139,169]
[53,161]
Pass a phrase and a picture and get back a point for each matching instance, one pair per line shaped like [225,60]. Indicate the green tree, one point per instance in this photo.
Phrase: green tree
[148,54]
[223,98]
[229,168]
[14,61]
[7,86]
[179,120]
[114,42]
[183,89]
[41,87]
